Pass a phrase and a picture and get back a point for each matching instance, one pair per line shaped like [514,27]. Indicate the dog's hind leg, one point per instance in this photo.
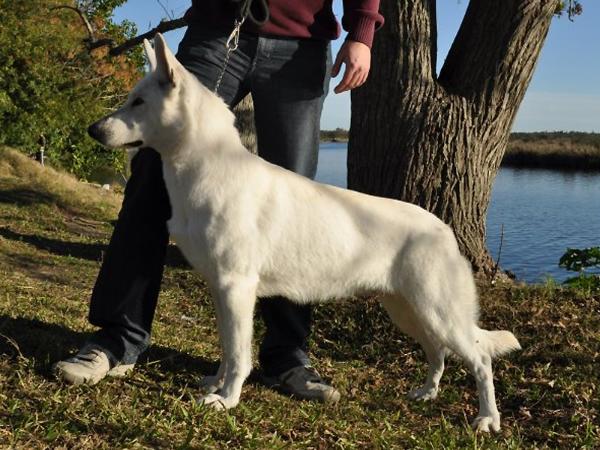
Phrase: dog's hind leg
[489,416]
[436,354]
[448,322]
[479,362]
[444,299]
[403,316]
[461,337]
[236,308]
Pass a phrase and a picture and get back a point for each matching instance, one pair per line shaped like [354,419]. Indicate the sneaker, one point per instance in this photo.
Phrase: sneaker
[88,367]
[303,383]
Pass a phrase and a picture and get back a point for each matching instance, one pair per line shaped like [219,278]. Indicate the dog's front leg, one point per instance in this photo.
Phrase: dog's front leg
[236,308]
[213,383]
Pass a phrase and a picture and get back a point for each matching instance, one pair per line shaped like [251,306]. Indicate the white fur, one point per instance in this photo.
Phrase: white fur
[254,229]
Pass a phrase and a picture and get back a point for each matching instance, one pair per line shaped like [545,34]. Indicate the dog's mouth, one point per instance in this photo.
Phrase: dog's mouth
[134,144]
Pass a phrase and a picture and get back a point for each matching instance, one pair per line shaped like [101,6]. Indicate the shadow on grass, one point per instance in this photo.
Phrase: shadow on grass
[44,343]
[80,250]
[25,197]
[92,252]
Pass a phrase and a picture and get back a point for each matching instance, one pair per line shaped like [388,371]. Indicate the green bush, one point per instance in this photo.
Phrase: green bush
[51,86]
[580,260]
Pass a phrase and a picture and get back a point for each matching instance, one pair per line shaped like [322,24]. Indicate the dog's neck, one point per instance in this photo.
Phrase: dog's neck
[212,136]
[208,156]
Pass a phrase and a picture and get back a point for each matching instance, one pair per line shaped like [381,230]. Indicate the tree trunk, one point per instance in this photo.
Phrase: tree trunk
[438,141]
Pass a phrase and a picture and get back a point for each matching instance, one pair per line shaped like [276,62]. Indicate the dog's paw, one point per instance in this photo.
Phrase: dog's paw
[423,394]
[218,402]
[211,384]
[486,424]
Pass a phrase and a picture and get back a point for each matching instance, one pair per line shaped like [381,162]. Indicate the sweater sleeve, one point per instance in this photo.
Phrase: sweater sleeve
[361,19]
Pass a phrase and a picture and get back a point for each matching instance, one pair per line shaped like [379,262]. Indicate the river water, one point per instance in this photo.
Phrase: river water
[542,212]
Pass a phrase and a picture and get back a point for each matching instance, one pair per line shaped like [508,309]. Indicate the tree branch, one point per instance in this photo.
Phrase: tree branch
[83,17]
[115,50]
[163,27]
[482,60]
[164,8]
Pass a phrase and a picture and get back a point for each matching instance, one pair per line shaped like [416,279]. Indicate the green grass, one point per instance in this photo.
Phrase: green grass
[52,234]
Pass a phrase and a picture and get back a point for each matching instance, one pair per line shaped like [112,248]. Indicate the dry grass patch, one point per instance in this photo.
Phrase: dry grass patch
[554,150]
[25,182]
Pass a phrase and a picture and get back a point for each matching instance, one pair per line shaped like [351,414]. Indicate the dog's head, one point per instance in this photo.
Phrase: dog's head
[152,114]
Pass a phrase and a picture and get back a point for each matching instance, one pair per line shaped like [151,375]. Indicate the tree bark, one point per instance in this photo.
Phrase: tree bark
[438,141]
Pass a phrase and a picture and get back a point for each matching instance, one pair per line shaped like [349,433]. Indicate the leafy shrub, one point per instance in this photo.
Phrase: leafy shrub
[51,86]
[580,260]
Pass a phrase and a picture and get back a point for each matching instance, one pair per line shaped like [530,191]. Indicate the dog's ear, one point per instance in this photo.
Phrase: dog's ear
[150,55]
[166,64]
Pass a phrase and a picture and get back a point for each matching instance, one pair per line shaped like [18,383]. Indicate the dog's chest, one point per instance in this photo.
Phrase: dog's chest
[190,235]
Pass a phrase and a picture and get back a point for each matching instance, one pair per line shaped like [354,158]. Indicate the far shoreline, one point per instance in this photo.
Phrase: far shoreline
[543,150]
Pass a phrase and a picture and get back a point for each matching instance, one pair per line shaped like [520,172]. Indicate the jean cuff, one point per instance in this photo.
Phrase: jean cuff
[117,349]
[275,366]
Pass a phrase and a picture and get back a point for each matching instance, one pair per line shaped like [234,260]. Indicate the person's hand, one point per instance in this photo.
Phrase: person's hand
[356,56]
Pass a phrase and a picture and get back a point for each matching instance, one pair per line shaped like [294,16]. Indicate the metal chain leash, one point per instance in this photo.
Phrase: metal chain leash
[257,12]
[231,46]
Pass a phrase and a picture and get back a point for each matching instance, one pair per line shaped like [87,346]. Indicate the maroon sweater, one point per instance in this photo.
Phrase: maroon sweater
[297,18]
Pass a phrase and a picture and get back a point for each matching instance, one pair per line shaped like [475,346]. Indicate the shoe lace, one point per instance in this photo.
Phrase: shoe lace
[306,374]
[90,355]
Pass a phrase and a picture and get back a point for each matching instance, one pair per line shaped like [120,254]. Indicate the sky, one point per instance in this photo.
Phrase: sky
[564,94]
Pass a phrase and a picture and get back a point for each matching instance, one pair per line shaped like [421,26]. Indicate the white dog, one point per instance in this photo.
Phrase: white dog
[254,229]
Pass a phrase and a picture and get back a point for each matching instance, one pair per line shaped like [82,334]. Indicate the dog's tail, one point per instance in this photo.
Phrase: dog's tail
[497,343]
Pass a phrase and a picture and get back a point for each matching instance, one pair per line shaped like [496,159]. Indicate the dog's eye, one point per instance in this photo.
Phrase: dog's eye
[137,102]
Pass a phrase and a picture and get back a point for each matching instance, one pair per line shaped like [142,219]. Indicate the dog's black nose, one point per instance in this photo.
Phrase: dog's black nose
[94,131]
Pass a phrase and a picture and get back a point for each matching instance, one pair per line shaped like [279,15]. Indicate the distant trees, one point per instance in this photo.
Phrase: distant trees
[52,87]
[337,135]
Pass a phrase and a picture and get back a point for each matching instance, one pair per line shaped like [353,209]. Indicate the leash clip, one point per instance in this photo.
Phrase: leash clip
[231,46]
[234,38]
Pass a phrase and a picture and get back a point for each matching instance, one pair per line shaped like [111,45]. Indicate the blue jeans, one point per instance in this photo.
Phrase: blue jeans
[288,80]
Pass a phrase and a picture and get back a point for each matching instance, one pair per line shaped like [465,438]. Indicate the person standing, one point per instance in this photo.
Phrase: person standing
[283,60]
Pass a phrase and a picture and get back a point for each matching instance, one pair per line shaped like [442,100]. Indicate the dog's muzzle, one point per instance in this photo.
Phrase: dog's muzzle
[98,132]
[134,144]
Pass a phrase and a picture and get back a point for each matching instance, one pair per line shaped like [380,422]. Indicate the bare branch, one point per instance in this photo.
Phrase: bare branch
[169,14]
[107,42]
[163,27]
[83,17]
[94,43]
